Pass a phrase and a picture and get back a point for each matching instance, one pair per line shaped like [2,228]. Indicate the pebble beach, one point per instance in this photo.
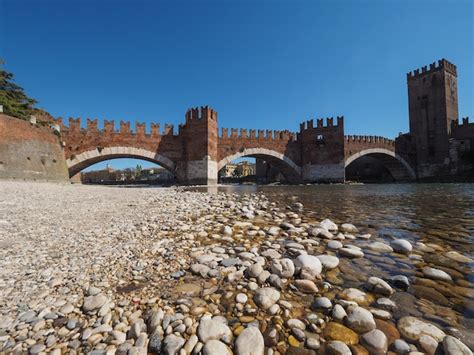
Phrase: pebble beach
[119,270]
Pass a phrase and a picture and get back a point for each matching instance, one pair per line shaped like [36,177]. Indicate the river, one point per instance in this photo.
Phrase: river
[439,215]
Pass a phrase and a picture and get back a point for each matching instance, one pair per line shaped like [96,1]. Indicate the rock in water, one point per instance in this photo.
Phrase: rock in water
[401,246]
[337,348]
[412,329]
[309,262]
[360,320]
[453,346]
[329,225]
[283,268]
[375,341]
[266,297]
[250,342]
[436,274]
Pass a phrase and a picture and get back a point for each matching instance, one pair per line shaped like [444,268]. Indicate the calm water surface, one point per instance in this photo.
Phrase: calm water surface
[439,215]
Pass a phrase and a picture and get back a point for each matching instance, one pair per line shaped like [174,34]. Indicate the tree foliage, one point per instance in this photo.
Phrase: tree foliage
[13,98]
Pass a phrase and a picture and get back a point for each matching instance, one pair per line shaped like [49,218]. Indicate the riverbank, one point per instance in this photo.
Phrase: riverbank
[127,270]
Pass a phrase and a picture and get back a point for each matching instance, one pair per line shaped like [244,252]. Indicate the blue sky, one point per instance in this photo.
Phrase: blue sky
[260,64]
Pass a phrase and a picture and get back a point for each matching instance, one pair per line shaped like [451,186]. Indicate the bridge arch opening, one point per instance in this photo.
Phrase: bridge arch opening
[80,162]
[378,165]
[269,165]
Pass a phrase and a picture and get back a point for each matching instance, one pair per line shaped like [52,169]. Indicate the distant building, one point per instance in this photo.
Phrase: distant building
[245,168]
[110,175]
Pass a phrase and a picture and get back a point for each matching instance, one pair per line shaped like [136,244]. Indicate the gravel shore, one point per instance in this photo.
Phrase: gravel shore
[104,270]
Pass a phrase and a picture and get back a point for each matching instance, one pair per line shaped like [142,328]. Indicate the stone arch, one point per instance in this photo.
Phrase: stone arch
[85,159]
[398,167]
[287,166]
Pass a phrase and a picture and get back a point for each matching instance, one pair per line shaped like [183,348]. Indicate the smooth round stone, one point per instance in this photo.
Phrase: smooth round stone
[412,329]
[66,309]
[453,346]
[172,344]
[284,268]
[349,228]
[329,225]
[241,298]
[295,323]
[227,230]
[190,344]
[274,231]
[380,247]
[215,347]
[355,295]
[375,341]
[255,270]
[337,331]
[337,348]
[334,244]
[94,302]
[378,285]
[313,343]
[37,348]
[92,291]
[271,254]
[306,286]
[454,255]
[309,262]
[401,246]
[211,329]
[351,253]
[428,344]
[436,274]
[329,261]
[339,313]
[400,346]
[400,281]
[386,304]
[200,269]
[321,303]
[360,320]
[266,297]
[249,342]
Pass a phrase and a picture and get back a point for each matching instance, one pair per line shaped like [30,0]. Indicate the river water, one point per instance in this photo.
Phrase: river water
[438,215]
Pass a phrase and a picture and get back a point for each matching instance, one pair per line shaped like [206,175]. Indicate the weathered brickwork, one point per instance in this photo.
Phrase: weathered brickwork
[30,152]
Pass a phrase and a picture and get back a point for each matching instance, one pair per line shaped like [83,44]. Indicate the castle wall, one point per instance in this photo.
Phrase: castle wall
[30,152]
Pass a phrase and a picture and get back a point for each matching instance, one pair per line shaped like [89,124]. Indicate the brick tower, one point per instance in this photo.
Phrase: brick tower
[433,105]
[199,135]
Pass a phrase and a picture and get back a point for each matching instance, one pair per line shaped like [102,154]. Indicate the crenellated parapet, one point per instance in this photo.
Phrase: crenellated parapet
[92,127]
[433,67]
[369,139]
[309,125]
[464,122]
[259,135]
[200,113]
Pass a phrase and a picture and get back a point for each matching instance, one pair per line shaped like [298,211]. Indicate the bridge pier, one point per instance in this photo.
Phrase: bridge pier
[324,173]
[197,172]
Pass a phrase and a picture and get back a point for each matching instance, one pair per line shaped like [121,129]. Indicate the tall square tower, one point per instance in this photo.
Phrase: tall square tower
[433,105]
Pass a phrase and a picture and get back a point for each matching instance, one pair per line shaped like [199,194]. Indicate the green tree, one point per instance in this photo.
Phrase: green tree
[14,100]
[138,171]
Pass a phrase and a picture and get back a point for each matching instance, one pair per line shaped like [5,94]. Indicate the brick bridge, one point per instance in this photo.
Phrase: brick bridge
[318,153]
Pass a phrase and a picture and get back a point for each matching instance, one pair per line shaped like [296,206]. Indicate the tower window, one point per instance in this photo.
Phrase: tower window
[319,137]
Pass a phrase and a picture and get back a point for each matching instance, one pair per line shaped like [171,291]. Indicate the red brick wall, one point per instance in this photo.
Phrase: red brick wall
[30,152]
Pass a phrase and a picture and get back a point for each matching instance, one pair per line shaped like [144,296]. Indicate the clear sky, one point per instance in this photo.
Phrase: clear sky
[260,64]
